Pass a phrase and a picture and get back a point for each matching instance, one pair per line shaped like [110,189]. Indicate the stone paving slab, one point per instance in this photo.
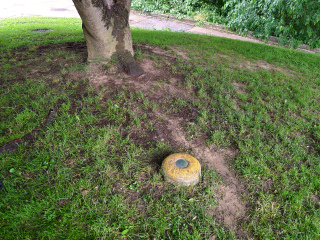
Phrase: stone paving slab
[160,24]
[136,18]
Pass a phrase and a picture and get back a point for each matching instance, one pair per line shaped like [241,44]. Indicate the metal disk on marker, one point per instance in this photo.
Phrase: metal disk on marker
[181,169]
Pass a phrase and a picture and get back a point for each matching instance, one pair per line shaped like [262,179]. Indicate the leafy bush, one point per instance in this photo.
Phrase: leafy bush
[294,22]
[202,10]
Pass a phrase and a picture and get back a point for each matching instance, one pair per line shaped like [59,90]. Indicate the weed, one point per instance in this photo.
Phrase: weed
[138,53]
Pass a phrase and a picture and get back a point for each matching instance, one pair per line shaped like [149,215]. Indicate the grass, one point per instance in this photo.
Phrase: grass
[17,32]
[95,172]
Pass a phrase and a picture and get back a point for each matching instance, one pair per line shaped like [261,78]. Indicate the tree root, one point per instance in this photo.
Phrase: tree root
[129,64]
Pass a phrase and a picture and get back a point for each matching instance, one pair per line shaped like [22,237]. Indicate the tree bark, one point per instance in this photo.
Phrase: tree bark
[105,25]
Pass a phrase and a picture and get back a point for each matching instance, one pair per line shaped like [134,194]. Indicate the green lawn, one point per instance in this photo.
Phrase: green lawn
[94,173]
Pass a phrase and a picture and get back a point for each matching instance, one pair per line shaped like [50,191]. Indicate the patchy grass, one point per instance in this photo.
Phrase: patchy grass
[248,112]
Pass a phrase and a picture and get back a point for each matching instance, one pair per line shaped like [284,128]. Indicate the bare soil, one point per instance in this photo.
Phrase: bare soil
[232,207]
[255,66]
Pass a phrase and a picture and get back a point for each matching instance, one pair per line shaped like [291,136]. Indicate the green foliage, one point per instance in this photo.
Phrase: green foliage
[294,22]
[202,10]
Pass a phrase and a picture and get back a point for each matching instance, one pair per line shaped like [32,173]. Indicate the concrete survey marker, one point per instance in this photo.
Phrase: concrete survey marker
[181,169]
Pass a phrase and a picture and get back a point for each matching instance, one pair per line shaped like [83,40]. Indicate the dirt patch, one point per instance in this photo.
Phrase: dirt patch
[173,53]
[224,56]
[239,87]
[231,208]
[62,202]
[98,78]
[315,198]
[181,53]
[256,66]
[156,83]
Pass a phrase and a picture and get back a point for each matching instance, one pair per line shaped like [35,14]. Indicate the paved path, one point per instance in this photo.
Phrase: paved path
[65,8]
[45,8]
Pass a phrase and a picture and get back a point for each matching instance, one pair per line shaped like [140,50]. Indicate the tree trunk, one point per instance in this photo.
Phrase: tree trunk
[105,25]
